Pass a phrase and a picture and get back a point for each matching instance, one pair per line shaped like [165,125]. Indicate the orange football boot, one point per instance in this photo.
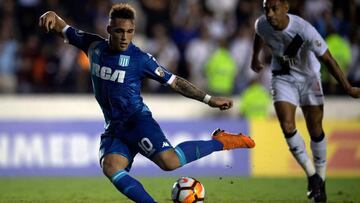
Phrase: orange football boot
[233,141]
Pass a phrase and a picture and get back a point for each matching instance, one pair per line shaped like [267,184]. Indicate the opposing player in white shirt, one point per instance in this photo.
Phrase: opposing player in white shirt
[296,50]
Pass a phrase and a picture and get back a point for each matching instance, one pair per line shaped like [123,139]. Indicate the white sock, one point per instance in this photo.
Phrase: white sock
[319,156]
[297,148]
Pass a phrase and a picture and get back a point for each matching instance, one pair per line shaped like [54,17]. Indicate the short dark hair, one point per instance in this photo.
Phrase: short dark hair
[122,10]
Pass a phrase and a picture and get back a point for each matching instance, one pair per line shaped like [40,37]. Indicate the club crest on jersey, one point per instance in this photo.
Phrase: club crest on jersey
[318,43]
[159,71]
[124,60]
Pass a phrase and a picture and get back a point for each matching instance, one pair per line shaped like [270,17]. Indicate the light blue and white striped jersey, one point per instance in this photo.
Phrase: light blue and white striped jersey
[117,76]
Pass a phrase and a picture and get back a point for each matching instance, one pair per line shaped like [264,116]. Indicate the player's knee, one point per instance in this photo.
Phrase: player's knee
[288,127]
[316,132]
[168,161]
[111,166]
[315,129]
[169,166]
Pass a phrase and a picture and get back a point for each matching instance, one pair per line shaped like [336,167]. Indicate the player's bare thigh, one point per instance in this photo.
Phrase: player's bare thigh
[313,117]
[167,160]
[285,112]
[112,163]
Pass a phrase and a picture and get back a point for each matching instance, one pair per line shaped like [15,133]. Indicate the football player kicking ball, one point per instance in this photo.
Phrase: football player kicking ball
[117,68]
[296,47]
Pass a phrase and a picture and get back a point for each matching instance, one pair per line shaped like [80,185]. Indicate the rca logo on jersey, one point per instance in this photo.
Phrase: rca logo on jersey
[124,60]
[107,73]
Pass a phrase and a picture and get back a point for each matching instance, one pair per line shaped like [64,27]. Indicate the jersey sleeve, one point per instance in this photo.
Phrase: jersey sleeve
[79,38]
[259,25]
[314,40]
[256,26]
[156,72]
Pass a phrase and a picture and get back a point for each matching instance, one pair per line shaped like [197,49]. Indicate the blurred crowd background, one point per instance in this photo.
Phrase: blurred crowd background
[208,42]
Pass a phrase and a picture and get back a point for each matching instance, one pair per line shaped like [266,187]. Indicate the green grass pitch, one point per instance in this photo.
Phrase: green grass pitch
[218,189]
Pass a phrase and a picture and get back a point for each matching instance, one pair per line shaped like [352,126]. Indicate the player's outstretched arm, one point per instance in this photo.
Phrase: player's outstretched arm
[189,90]
[335,71]
[51,22]
[255,62]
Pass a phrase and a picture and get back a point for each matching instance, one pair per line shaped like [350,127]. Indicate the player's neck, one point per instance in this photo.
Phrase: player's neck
[283,24]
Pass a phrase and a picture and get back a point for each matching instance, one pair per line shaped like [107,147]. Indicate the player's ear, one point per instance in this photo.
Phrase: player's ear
[287,7]
[108,29]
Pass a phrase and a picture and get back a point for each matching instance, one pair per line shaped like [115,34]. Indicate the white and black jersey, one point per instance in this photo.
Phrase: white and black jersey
[294,49]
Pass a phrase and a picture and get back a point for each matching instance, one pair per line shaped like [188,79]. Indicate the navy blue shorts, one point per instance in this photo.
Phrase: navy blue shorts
[141,134]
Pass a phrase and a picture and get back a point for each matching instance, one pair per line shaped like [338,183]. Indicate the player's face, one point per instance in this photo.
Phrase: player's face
[121,33]
[276,12]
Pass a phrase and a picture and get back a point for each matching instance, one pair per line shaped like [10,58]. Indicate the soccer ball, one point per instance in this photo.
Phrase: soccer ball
[187,190]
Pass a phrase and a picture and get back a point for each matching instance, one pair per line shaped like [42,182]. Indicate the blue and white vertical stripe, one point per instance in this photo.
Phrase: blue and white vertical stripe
[124,60]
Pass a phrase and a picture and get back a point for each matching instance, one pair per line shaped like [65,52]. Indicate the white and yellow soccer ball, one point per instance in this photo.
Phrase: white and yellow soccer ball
[187,190]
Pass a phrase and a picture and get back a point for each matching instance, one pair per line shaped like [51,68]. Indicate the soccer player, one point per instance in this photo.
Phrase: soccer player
[117,68]
[296,50]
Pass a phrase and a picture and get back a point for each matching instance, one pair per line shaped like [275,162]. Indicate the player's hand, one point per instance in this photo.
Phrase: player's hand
[222,103]
[256,66]
[48,21]
[354,92]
